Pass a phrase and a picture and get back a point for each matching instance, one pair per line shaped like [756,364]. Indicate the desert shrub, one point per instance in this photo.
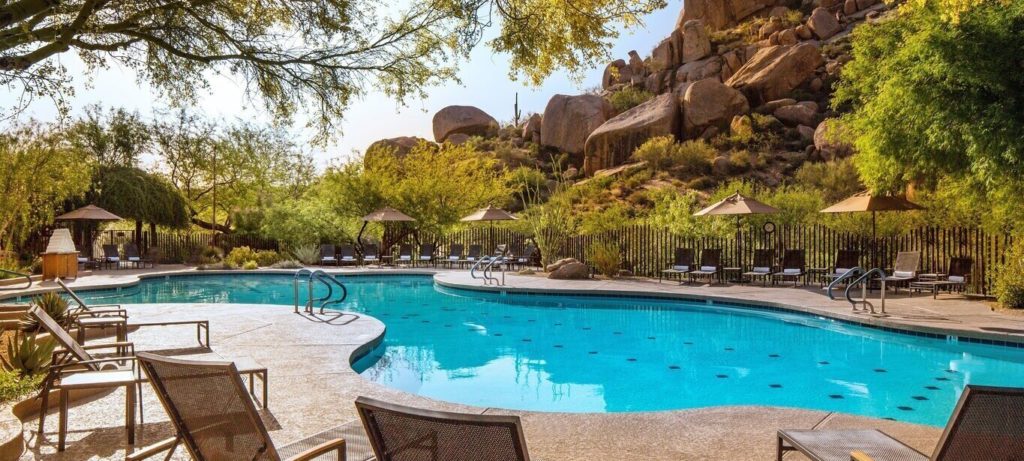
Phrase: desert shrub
[628,98]
[702,183]
[51,303]
[287,264]
[687,158]
[206,254]
[605,257]
[240,255]
[306,253]
[1009,286]
[13,385]
[250,265]
[28,354]
[836,180]
[217,266]
[267,258]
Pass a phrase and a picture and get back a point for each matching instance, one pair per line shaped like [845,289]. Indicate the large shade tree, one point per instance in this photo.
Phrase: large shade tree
[309,56]
[132,193]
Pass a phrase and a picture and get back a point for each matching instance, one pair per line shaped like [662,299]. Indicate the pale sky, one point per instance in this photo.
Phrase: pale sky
[485,84]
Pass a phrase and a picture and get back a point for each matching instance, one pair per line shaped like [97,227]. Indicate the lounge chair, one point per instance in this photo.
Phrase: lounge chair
[426,255]
[347,255]
[710,265]
[102,316]
[405,254]
[86,263]
[528,257]
[111,257]
[473,255]
[328,255]
[371,254]
[793,266]
[682,264]
[986,424]
[212,416]
[400,433]
[454,255]
[905,269]
[957,278]
[764,264]
[845,260]
[132,256]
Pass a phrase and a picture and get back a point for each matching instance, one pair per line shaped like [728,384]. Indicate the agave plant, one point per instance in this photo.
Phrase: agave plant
[53,304]
[28,354]
[307,253]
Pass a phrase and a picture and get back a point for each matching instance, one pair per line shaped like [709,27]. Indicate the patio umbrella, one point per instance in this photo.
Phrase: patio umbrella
[87,214]
[737,205]
[384,215]
[865,201]
[489,214]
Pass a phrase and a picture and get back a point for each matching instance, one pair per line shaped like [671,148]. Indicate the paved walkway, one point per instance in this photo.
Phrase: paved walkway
[312,385]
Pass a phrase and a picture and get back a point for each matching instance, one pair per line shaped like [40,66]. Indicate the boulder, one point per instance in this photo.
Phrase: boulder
[708,103]
[668,53]
[696,44]
[865,4]
[721,165]
[775,71]
[796,114]
[636,65]
[826,140]
[719,14]
[569,120]
[571,271]
[614,141]
[803,32]
[397,147]
[778,12]
[617,72]
[823,23]
[806,133]
[699,70]
[467,120]
[654,81]
[741,124]
[561,262]
[850,7]
[788,37]
[531,129]
[770,106]
[772,26]
[457,139]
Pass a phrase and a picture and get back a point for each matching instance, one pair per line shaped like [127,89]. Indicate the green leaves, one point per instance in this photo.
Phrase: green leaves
[28,354]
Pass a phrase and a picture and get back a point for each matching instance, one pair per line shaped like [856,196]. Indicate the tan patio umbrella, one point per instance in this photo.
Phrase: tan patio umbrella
[865,201]
[737,205]
[88,213]
[490,214]
[383,215]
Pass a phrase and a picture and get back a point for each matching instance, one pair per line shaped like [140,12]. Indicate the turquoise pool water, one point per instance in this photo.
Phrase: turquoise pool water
[595,354]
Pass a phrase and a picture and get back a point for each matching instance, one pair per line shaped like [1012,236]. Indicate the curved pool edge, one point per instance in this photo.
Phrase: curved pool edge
[838,311]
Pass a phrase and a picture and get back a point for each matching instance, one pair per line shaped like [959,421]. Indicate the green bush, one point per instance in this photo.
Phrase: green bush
[28,355]
[1010,277]
[207,254]
[267,258]
[218,266]
[685,159]
[13,385]
[628,98]
[307,253]
[287,264]
[605,257]
[250,265]
[51,303]
[239,256]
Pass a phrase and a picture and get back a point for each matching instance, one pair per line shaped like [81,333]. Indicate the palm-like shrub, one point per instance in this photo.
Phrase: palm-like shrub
[53,304]
[28,354]
[307,253]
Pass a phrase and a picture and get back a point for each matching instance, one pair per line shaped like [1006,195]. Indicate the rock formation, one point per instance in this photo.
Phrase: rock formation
[569,120]
[467,120]
[614,141]
[775,71]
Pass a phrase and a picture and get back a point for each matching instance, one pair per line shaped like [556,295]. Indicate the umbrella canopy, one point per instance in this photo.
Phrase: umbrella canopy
[489,214]
[864,201]
[88,213]
[737,204]
[387,214]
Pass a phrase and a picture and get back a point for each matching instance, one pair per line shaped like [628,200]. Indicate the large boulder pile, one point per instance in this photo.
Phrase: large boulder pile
[464,120]
[614,141]
[773,72]
[722,14]
[569,120]
[709,104]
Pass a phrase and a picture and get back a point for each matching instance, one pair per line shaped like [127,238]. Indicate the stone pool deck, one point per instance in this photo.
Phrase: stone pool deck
[312,387]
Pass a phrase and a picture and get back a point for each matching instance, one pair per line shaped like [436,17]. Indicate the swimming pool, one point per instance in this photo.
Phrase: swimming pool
[604,354]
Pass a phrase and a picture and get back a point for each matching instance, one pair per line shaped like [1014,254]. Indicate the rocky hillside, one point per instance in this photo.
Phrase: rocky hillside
[750,78]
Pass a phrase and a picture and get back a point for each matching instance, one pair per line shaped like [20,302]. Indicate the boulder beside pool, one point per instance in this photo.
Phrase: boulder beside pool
[572,271]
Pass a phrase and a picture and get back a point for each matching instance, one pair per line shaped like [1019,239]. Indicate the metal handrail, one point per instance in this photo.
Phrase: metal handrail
[472,270]
[322,276]
[327,279]
[863,281]
[28,278]
[488,276]
[309,287]
[850,273]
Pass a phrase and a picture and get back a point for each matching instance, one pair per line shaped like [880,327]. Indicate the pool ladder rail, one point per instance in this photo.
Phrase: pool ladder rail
[317,276]
[489,264]
[27,277]
[863,280]
[850,274]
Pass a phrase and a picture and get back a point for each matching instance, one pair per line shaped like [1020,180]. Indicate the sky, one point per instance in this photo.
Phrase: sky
[485,84]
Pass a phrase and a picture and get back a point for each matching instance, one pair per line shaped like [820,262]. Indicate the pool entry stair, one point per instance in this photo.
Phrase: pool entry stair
[311,278]
[858,276]
[487,265]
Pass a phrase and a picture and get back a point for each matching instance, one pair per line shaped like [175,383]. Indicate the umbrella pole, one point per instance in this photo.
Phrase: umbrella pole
[739,243]
[359,237]
[874,242]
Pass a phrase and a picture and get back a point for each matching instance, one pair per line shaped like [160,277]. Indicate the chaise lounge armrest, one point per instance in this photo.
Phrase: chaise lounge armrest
[860,456]
[322,449]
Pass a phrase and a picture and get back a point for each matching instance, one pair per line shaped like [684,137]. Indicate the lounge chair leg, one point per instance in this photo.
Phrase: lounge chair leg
[62,423]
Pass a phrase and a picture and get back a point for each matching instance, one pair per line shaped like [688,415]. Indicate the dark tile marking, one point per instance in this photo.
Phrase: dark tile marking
[905,408]
[775,386]
[889,419]
[558,324]
[497,334]
[506,316]
[673,367]
[651,337]
[931,388]
[526,340]
[631,359]
[721,376]
[531,320]
[881,370]
[823,362]
[941,378]
[424,321]
[688,343]
[592,352]
[951,371]
[447,325]
[729,349]
[558,346]
[586,328]
[616,332]
[919,397]
[835,396]
[774,356]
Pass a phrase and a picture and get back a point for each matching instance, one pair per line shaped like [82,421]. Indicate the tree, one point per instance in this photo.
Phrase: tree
[38,173]
[300,56]
[932,97]
[143,197]
[114,138]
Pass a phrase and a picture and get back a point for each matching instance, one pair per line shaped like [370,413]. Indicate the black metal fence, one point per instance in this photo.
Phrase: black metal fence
[180,247]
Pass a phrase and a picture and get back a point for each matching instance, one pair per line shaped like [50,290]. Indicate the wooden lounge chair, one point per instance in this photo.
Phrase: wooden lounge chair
[426,255]
[987,424]
[85,316]
[764,264]
[957,278]
[793,266]
[404,254]
[905,269]
[710,265]
[454,255]
[347,255]
[132,256]
[682,264]
[111,257]
[400,433]
[328,255]
[845,260]
[473,255]
[371,254]
[212,416]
